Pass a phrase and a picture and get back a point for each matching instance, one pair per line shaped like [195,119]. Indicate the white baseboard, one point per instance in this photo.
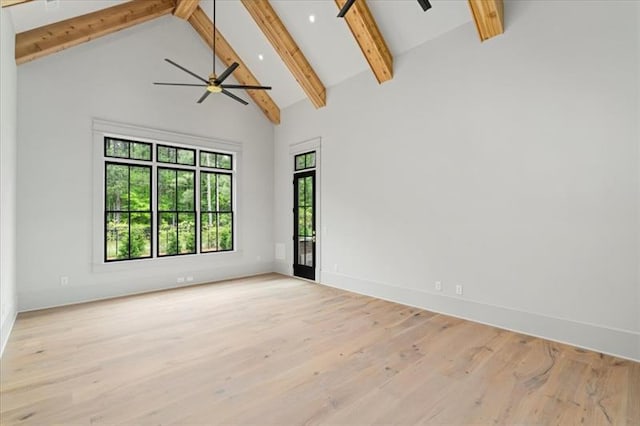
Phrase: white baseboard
[282,267]
[52,297]
[608,340]
[5,329]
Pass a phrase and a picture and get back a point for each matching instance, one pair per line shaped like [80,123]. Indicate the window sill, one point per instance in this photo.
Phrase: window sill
[188,261]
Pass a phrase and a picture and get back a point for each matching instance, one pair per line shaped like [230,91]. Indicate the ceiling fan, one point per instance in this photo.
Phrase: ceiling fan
[423,3]
[214,83]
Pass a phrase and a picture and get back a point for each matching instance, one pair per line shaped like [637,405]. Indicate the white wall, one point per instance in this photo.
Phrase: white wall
[510,167]
[8,138]
[111,78]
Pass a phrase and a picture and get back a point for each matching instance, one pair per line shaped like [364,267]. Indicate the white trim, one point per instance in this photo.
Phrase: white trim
[102,128]
[304,146]
[262,269]
[609,340]
[5,328]
[314,144]
[157,135]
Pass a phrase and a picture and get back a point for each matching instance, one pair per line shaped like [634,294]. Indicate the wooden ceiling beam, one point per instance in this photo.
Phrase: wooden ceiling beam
[204,27]
[43,41]
[489,17]
[185,8]
[282,41]
[7,3]
[365,30]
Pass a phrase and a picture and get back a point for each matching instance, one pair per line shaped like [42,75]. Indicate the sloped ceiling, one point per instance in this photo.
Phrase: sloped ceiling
[327,43]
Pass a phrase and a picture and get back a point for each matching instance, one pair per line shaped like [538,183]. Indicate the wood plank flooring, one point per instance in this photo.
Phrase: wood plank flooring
[275,350]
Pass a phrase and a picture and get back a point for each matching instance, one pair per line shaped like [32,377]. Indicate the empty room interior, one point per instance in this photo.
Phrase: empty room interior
[340,212]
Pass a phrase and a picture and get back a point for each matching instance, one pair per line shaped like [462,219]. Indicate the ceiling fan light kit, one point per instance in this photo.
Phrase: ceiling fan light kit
[214,83]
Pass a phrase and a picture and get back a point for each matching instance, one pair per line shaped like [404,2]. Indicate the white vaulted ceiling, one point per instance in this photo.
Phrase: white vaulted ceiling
[327,43]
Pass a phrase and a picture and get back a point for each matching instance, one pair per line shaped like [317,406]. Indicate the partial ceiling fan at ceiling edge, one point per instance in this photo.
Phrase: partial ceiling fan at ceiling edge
[345,8]
[214,83]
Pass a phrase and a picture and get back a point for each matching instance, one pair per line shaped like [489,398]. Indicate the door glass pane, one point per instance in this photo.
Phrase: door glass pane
[301,251]
[300,162]
[308,222]
[301,191]
[302,230]
[308,195]
[310,160]
[309,253]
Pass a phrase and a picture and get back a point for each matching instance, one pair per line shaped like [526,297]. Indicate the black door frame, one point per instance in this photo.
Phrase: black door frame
[304,271]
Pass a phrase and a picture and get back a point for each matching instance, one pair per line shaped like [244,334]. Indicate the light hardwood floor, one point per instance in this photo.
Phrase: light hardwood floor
[275,350]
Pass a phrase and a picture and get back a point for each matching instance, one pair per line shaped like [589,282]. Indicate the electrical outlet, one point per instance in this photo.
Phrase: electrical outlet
[64,281]
[459,289]
[180,280]
[258,258]
[335,267]
[190,278]
[438,286]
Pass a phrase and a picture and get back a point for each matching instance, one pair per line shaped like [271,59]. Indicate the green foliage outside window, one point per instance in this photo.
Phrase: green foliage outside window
[128,205]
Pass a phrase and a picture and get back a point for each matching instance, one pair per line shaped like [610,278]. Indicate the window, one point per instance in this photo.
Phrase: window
[178,203]
[127,211]
[216,215]
[215,160]
[126,149]
[176,212]
[305,161]
[168,154]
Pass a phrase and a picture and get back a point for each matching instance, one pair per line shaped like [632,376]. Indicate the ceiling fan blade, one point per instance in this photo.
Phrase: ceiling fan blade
[346,8]
[232,96]
[226,73]
[425,4]
[203,97]
[187,71]
[180,84]
[242,86]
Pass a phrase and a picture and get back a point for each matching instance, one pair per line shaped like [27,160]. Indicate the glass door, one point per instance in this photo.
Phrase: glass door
[304,224]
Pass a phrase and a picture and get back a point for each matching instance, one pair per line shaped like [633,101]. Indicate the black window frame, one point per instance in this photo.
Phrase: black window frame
[231,211]
[176,148]
[177,212]
[154,167]
[128,212]
[216,154]
[306,156]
